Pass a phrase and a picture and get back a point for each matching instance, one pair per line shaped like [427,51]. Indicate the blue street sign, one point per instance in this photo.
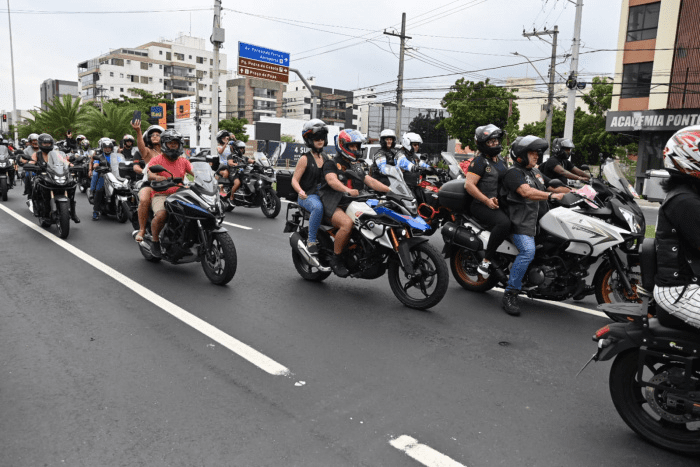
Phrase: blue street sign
[262,54]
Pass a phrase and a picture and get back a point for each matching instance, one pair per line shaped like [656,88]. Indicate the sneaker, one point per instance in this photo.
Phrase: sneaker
[338,267]
[510,303]
[312,248]
[483,268]
[95,216]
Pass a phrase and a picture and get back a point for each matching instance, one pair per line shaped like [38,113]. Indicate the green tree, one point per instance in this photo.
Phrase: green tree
[287,139]
[144,101]
[472,105]
[59,117]
[235,126]
[434,138]
[112,122]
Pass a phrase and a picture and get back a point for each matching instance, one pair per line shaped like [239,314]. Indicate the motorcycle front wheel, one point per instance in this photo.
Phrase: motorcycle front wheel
[271,203]
[63,220]
[428,286]
[463,264]
[220,260]
[644,408]
[609,288]
[122,214]
[3,188]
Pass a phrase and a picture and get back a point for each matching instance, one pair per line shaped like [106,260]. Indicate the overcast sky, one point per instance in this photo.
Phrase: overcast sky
[50,38]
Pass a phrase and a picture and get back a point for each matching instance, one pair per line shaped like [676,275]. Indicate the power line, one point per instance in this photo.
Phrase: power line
[128,12]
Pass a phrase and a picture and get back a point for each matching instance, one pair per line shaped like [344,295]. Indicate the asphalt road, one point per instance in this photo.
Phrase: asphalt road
[94,373]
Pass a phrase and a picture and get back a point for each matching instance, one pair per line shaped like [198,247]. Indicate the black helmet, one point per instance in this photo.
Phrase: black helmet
[384,135]
[221,135]
[151,129]
[313,129]
[559,147]
[168,136]
[524,144]
[239,147]
[485,133]
[46,142]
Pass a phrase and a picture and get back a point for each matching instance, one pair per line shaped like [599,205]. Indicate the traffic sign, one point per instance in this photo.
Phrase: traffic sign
[261,62]
[262,54]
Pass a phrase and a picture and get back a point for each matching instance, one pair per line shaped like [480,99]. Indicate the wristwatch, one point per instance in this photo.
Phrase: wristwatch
[549,198]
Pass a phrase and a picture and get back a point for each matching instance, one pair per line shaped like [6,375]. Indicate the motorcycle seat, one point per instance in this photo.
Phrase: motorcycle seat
[661,331]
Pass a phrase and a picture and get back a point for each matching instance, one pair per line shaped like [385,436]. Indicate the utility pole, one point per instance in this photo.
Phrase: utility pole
[399,89]
[217,38]
[571,101]
[552,71]
[308,88]
[12,64]
[196,108]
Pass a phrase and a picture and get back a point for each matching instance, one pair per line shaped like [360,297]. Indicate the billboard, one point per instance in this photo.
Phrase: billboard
[182,108]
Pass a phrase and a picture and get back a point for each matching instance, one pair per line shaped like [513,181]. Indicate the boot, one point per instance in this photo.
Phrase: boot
[73,215]
[510,302]
[338,267]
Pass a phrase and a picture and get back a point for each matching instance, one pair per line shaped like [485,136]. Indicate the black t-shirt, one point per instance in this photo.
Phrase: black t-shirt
[491,174]
[339,166]
[523,212]
[550,164]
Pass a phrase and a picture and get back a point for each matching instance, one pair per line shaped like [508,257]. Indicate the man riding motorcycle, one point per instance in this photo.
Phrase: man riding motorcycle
[385,156]
[558,166]
[103,159]
[407,159]
[29,151]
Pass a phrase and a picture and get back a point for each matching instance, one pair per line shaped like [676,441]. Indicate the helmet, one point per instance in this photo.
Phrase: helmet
[221,135]
[168,136]
[85,143]
[559,147]
[46,142]
[128,138]
[347,137]
[32,137]
[524,144]
[105,143]
[23,141]
[239,147]
[409,138]
[485,133]
[79,138]
[151,129]
[311,129]
[681,156]
[384,135]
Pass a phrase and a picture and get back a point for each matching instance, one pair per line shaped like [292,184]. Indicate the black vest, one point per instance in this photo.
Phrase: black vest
[523,212]
[313,174]
[677,262]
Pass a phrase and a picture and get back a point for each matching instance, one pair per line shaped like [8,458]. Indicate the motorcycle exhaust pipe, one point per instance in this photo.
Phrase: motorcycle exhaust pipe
[297,244]
[454,234]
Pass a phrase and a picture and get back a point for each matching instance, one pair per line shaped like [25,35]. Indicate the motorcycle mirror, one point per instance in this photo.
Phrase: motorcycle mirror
[555,183]
[569,199]
[156,169]
[585,167]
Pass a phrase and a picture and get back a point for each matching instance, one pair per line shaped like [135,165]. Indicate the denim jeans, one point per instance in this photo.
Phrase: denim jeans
[526,248]
[313,204]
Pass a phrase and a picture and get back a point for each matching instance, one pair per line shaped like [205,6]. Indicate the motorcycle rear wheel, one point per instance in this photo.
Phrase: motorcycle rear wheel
[271,204]
[3,188]
[463,264]
[221,262]
[63,224]
[633,406]
[433,282]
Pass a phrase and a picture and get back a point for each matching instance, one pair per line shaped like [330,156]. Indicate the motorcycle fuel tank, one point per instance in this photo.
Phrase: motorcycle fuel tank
[565,223]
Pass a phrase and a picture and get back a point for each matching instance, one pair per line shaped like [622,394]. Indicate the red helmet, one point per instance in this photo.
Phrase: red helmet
[346,137]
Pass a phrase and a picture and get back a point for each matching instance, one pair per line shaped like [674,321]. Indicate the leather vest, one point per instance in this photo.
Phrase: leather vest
[677,262]
[390,160]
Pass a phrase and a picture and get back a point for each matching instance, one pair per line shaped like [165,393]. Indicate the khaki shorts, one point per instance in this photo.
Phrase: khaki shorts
[158,203]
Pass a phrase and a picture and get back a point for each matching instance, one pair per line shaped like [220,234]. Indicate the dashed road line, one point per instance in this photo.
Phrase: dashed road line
[238,226]
[423,453]
[258,359]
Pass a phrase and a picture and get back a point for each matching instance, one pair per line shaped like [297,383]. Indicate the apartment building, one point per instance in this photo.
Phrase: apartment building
[254,98]
[334,106]
[657,75]
[53,88]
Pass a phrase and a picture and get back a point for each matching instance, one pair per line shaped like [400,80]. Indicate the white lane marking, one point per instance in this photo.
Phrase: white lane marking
[566,305]
[238,226]
[422,453]
[243,350]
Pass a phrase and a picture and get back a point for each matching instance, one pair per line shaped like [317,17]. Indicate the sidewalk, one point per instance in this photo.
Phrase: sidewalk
[647,204]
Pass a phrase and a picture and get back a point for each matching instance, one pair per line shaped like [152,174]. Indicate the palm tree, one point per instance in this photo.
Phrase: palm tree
[60,116]
[113,122]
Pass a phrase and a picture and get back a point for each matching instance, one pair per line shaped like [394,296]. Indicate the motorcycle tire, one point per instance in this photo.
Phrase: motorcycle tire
[435,278]
[220,264]
[63,220]
[3,188]
[463,264]
[636,411]
[609,289]
[271,204]
[306,272]
[148,256]
[122,214]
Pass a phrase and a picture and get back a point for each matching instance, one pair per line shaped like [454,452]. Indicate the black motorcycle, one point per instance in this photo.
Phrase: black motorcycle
[79,170]
[255,190]
[655,378]
[193,230]
[53,189]
[7,172]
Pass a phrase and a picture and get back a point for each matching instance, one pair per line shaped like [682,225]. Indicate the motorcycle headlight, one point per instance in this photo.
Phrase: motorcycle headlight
[60,180]
[209,199]
[3,164]
[631,220]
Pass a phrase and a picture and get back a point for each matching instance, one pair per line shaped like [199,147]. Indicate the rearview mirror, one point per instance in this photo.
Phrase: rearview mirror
[156,169]
[585,167]
[555,183]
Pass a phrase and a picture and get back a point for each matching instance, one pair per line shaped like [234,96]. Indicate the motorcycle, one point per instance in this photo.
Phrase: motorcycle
[382,240]
[255,190]
[79,170]
[655,377]
[428,204]
[134,184]
[49,200]
[117,191]
[193,230]
[568,244]
[7,164]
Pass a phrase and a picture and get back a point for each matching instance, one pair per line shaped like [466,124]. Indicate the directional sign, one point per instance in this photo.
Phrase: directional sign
[261,62]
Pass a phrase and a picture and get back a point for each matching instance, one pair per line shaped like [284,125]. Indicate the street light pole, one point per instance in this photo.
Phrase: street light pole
[217,38]
[12,64]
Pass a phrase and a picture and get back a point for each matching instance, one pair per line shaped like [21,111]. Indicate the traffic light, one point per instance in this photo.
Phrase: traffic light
[4,117]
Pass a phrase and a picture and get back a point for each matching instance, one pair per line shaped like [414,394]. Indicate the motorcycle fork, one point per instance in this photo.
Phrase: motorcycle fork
[617,265]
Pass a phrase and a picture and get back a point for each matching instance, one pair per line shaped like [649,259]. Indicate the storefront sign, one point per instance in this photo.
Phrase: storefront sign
[652,120]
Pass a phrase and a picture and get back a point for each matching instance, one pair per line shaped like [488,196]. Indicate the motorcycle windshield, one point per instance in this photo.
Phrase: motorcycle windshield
[262,159]
[204,177]
[57,163]
[613,173]
[279,150]
[114,161]
[4,154]
[452,163]
[396,182]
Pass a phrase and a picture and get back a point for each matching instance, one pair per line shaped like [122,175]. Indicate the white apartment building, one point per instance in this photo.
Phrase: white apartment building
[181,67]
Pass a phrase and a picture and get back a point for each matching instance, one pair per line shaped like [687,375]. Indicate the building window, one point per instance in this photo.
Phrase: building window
[150,65]
[264,92]
[200,60]
[211,61]
[144,80]
[643,22]
[121,89]
[134,79]
[202,100]
[150,80]
[636,80]
[121,75]
[111,88]
[180,57]
[160,52]
[190,57]
[160,80]
[144,66]
[111,74]
[128,62]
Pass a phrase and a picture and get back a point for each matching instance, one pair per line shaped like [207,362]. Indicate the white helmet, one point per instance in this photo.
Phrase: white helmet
[408,139]
[105,143]
[33,137]
[384,135]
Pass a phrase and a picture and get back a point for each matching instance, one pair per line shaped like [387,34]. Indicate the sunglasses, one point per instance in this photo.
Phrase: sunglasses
[318,138]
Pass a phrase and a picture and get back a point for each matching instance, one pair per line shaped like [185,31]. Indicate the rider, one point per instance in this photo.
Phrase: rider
[308,177]
[338,182]
[104,159]
[483,183]
[127,148]
[558,166]
[237,158]
[678,231]
[407,158]
[149,147]
[29,151]
[172,147]
[526,188]
[223,137]
[70,143]
[385,156]
[46,143]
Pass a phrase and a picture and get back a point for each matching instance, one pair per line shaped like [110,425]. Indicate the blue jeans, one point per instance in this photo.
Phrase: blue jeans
[97,182]
[526,247]
[313,204]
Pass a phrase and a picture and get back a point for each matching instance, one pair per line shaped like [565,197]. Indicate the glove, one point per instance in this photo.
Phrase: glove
[415,168]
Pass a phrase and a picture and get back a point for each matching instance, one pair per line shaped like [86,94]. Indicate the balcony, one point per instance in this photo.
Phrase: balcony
[179,73]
